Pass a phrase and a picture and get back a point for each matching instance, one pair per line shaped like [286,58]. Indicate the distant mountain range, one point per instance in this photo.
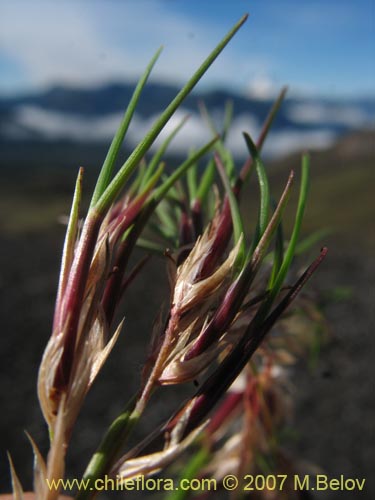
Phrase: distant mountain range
[91,115]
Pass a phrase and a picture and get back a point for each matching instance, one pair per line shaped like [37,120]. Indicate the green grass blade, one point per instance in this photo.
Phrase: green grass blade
[152,180]
[259,252]
[132,162]
[155,160]
[138,182]
[263,187]
[290,251]
[229,163]
[190,471]
[206,181]
[162,190]
[220,148]
[114,438]
[270,118]
[168,223]
[107,168]
[247,167]
[173,194]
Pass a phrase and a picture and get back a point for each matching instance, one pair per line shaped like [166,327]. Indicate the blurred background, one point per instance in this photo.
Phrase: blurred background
[67,72]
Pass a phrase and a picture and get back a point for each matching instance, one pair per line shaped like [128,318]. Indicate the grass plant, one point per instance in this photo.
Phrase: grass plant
[228,294]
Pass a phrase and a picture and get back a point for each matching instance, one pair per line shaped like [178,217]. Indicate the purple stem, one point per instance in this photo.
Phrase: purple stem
[73,297]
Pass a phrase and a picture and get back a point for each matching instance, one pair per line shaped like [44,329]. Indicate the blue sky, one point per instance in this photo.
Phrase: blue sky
[323,47]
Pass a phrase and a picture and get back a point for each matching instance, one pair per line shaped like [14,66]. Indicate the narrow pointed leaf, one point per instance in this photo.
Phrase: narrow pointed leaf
[162,190]
[263,185]
[296,288]
[109,162]
[69,244]
[246,169]
[268,233]
[289,254]
[132,162]
[139,181]
[108,449]
[156,159]
[40,470]
[16,485]
[206,182]
[169,225]
[219,147]
[190,471]
[152,180]
[270,118]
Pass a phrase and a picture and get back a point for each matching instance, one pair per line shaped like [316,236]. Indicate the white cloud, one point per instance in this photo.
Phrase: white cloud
[56,125]
[263,87]
[314,114]
[92,42]
[55,42]
[242,123]
[289,141]
[195,133]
